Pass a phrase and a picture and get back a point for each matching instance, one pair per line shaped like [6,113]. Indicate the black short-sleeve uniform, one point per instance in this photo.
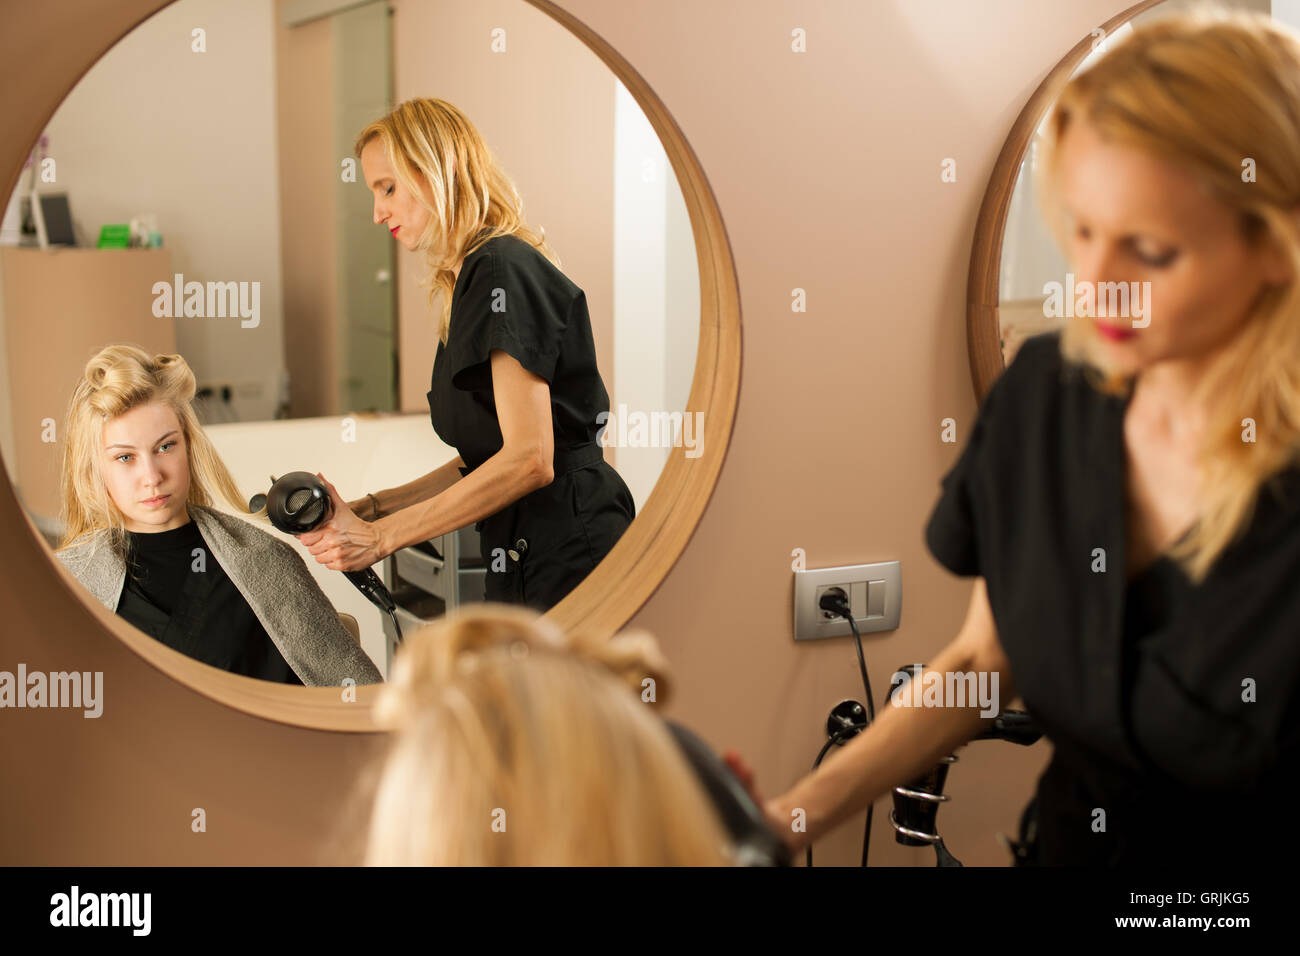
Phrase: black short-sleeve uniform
[194,607]
[509,296]
[1139,685]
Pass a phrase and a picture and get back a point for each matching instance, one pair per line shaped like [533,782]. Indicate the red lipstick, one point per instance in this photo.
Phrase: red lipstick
[1115,333]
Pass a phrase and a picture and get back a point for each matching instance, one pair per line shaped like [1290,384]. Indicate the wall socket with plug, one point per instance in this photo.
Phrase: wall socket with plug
[875,599]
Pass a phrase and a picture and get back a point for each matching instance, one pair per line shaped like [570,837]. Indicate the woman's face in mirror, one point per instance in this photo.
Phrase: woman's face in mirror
[1134,217]
[395,207]
[145,467]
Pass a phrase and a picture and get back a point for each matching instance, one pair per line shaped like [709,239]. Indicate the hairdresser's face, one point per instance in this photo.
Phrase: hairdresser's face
[395,208]
[1134,217]
[145,468]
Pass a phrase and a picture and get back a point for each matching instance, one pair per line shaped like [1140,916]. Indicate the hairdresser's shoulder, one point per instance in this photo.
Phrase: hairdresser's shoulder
[520,256]
[510,248]
[1037,357]
[1035,374]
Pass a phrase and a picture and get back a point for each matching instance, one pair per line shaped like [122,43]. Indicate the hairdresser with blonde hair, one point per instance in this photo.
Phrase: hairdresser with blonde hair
[1129,498]
[140,482]
[514,745]
[515,388]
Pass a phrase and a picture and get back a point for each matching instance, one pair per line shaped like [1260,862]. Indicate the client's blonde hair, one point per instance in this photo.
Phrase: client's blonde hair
[117,379]
[515,745]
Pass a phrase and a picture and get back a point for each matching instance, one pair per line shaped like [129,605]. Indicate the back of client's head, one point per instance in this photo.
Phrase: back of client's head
[116,380]
[515,745]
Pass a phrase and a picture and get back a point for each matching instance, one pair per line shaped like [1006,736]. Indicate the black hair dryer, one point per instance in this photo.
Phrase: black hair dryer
[917,804]
[299,502]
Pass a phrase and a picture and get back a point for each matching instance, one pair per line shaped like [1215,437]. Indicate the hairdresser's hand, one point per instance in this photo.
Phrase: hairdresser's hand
[779,823]
[345,542]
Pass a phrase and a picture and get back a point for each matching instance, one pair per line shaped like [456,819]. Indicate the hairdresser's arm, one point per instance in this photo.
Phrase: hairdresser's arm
[391,500]
[524,463]
[902,743]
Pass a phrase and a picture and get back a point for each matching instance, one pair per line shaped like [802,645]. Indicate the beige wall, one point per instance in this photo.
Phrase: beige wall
[157,128]
[77,292]
[826,168]
[545,106]
[304,76]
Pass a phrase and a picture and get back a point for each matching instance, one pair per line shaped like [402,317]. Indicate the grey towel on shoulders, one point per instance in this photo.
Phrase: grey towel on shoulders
[271,576]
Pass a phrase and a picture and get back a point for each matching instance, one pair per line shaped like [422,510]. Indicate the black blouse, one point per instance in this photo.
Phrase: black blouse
[177,591]
[1139,685]
[509,296]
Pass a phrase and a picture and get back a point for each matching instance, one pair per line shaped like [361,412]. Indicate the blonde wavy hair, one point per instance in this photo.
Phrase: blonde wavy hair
[515,745]
[117,379]
[474,200]
[1204,90]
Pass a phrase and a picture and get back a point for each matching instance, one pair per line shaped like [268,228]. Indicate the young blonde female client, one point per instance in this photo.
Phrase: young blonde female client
[140,480]
[515,745]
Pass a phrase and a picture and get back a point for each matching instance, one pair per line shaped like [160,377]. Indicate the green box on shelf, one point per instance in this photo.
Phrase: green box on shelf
[115,236]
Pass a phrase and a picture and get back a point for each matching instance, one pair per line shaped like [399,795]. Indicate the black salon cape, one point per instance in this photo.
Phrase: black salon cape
[195,608]
[1138,687]
[509,296]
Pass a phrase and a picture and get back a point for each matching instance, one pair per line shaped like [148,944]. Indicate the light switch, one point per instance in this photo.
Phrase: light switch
[858,601]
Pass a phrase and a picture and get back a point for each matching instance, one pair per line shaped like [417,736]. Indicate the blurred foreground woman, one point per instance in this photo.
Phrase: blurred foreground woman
[516,746]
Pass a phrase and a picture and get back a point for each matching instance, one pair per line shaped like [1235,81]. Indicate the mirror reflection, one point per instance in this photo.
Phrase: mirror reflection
[1034,275]
[447,305]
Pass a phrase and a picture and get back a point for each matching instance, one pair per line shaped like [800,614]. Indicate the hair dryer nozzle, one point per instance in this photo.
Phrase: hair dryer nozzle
[298,502]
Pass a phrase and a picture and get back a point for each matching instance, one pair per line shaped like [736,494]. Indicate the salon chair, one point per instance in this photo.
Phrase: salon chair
[350,625]
[428,579]
[754,842]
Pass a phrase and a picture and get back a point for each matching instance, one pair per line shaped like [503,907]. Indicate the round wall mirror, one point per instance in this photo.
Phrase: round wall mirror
[196,192]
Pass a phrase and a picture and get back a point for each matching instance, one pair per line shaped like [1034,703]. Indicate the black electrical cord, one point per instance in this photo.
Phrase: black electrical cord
[836,738]
[836,602]
[392,613]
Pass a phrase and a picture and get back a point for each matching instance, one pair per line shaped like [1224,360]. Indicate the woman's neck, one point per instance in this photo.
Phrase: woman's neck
[1165,395]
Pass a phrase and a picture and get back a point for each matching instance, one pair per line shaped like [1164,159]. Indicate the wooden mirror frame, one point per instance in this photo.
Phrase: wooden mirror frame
[983,321]
[618,587]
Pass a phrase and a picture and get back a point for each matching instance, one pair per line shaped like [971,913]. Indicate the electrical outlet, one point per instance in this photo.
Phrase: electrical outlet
[823,589]
[875,599]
